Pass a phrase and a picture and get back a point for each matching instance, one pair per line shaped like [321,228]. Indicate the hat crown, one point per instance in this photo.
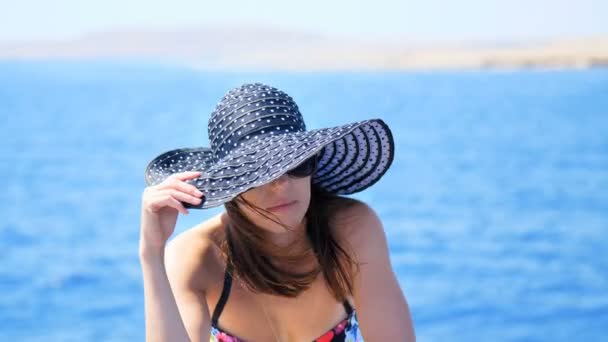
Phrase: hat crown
[247,113]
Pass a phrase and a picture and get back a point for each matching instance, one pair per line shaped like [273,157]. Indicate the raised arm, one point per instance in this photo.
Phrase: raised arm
[160,206]
[163,320]
[188,278]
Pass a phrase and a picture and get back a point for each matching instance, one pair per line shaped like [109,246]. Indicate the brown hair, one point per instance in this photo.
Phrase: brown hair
[249,254]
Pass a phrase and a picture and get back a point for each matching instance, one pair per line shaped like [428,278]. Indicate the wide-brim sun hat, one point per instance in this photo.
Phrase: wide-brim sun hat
[257,134]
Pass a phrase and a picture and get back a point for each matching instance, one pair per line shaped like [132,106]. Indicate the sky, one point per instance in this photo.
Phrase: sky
[417,20]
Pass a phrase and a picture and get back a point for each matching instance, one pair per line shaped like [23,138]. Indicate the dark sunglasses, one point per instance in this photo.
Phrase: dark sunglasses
[306,168]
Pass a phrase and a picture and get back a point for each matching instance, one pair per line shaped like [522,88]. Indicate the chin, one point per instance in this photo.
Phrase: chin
[291,219]
[276,228]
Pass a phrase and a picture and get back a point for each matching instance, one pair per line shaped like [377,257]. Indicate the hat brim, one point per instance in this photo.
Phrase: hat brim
[351,158]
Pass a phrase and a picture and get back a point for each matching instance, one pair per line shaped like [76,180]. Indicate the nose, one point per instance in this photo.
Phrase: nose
[279,183]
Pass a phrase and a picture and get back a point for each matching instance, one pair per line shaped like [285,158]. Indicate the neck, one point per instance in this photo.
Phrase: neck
[294,249]
[293,240]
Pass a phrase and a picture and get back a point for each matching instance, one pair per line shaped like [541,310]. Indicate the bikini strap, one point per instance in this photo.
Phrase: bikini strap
[223,297]
[347,307]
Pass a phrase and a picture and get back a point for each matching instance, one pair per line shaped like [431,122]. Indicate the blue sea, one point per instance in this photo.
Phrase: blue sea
[495,208]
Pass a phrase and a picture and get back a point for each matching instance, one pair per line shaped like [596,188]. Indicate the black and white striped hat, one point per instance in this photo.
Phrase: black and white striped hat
[257,134]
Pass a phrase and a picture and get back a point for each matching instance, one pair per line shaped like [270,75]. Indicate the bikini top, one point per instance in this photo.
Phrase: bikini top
[346,330]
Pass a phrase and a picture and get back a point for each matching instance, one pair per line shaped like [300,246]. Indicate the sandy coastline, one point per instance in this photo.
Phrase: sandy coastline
[243,49]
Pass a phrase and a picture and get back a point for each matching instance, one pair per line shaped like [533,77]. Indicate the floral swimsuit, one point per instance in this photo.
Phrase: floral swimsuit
[347,330]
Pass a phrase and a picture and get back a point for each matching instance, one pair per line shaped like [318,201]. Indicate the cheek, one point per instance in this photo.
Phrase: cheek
[252,195]
[302,190]
[298,190]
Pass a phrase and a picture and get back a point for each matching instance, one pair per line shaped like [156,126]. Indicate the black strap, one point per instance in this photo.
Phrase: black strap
[219,307]
[223,297]
[347,307]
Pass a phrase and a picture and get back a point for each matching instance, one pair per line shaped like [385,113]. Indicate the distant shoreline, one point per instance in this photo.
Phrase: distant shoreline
[243,49]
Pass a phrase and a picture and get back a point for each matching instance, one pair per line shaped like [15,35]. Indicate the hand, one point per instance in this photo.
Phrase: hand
[161,204]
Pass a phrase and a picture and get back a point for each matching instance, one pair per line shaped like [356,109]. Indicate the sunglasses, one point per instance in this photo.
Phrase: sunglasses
[305,169]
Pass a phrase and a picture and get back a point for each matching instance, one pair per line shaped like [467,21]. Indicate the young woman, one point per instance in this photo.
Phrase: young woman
[289,259]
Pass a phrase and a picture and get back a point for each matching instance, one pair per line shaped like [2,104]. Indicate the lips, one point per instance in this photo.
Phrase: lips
[281,206]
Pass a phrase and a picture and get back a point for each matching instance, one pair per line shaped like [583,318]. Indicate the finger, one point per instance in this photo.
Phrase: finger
[167,201]
[185,175]
[180,196]
[180,186]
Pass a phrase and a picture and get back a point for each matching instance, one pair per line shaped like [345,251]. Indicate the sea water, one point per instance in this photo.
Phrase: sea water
[495,207]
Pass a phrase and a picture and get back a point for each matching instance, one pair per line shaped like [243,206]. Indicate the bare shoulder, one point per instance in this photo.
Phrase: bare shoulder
[380,302]
[358,226]
[192,257]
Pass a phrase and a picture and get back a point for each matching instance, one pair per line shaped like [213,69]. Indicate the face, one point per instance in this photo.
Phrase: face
[287,198]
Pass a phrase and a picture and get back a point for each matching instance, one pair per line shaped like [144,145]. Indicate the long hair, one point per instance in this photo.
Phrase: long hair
[250,254]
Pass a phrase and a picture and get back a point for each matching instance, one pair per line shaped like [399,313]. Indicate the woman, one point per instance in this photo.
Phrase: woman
[289,259]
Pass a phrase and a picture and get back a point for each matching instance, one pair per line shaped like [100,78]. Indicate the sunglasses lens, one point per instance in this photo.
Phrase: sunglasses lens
[306,168]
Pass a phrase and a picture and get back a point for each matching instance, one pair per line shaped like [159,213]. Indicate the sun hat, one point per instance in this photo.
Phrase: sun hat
[257,134]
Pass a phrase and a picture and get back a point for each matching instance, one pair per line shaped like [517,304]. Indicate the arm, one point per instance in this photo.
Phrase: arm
[176,309]
[382,309]
[166,281]
[188,278]
[163,322]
